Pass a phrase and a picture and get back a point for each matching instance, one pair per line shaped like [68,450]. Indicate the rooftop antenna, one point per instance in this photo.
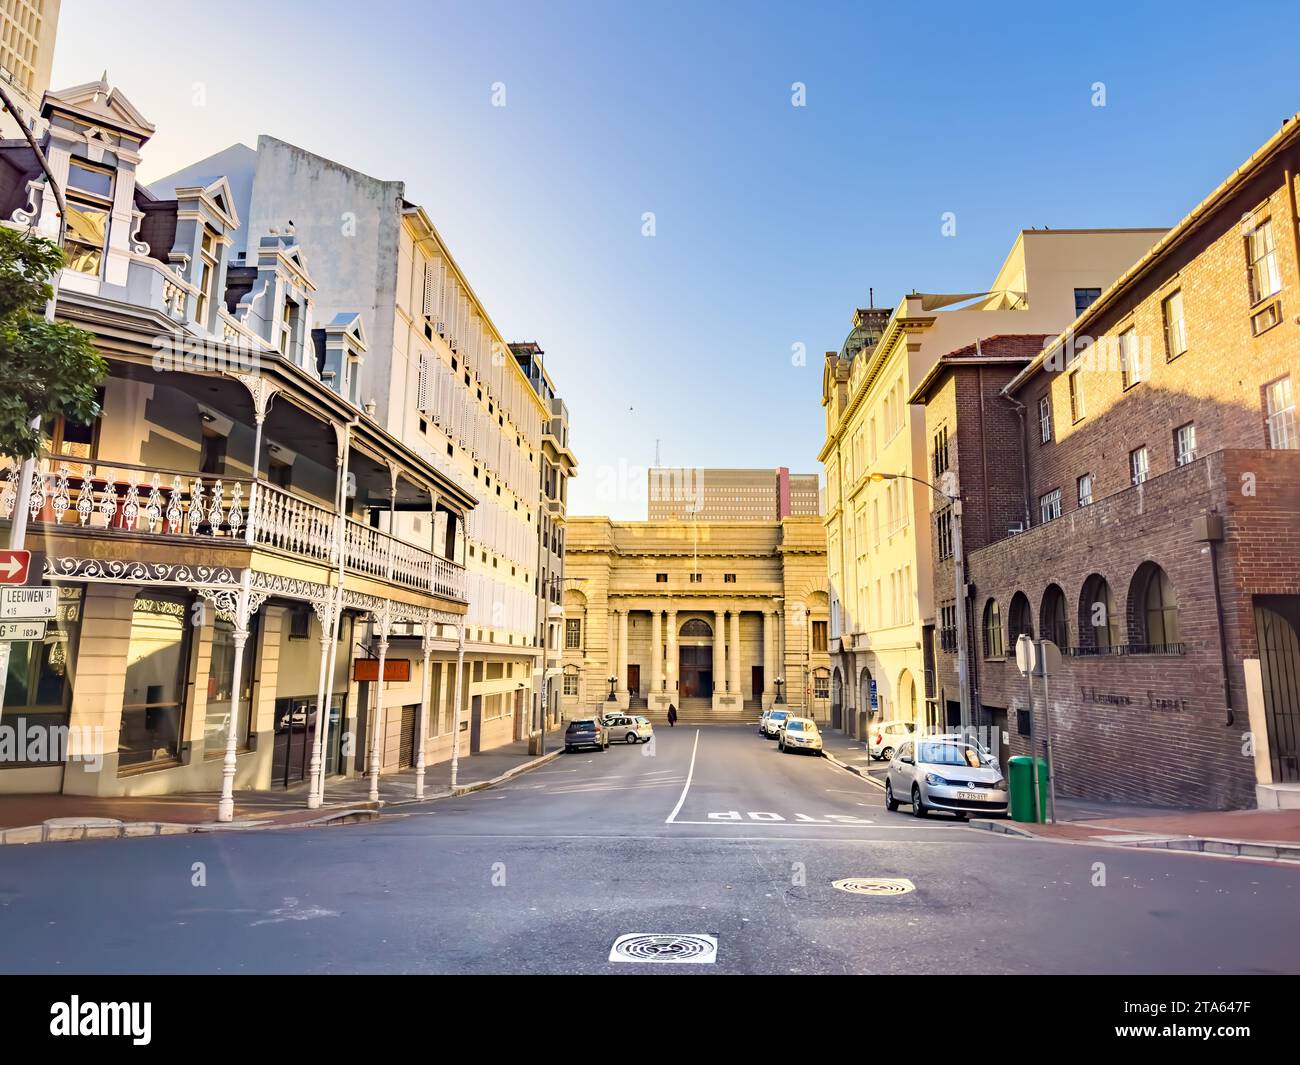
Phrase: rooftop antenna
[657,462]
[871,295]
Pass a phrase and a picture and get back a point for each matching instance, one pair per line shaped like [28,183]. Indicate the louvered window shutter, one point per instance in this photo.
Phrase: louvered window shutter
[422,385]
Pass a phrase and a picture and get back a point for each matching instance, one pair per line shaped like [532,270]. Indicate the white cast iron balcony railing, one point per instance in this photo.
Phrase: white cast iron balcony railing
[145,501]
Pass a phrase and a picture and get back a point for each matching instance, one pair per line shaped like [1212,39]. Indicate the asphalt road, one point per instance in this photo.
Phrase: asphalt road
[711,832]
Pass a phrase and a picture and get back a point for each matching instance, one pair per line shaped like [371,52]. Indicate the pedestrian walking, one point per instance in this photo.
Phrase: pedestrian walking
[672,716]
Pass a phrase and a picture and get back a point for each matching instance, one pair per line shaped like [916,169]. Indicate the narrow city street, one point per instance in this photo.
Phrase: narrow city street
[711,831]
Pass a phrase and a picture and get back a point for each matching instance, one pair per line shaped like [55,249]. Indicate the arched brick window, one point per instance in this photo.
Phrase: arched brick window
[1154,608]
[1098,621]
[992,630]
[1020,618]
[1053,618]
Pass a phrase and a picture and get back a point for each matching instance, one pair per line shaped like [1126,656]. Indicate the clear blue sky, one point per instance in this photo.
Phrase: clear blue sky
[772,221]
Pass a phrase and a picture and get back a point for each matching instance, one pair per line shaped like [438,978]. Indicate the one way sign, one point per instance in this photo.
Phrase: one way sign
[14,566]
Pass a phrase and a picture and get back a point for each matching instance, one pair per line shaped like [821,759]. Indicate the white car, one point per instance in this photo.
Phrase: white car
[945,773]
[630,728]
[772,722]
[885,736]
[800,734]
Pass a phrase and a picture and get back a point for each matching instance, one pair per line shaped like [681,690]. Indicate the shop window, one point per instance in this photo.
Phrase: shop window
[153,702]
[40,681]
[221,676]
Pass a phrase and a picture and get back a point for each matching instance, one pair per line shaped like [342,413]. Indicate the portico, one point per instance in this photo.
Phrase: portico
[673,649]
[712,618]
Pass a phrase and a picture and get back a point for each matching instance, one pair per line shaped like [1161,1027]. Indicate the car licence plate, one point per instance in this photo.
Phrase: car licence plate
[970,796]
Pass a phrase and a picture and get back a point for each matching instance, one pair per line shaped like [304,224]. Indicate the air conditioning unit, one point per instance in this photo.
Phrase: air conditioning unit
[452,343]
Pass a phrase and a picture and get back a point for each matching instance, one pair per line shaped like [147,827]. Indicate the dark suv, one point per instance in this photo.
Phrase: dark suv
[587,732]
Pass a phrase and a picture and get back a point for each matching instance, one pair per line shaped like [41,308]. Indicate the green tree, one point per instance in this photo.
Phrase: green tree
[46,368]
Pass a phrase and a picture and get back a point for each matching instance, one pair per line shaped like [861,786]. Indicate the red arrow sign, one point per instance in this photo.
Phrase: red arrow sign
[13,566]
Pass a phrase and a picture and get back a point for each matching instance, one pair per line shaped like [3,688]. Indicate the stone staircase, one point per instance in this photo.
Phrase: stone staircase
[701,712]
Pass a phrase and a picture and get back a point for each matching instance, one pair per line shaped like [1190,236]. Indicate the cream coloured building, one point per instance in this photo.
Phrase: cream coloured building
[877,532]
[718,618]
[28,29]
[440,377]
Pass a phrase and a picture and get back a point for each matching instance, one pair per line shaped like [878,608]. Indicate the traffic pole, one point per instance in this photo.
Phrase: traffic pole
[1047,719]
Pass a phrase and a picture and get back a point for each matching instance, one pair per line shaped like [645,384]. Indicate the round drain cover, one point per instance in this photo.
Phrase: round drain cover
[874,885]
[670,948]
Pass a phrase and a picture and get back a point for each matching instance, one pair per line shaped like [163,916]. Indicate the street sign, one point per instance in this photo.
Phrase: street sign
[1050,660]
[875,699]
[1026,654]
[22,630]
[14,566]
[395,669]
[28,603]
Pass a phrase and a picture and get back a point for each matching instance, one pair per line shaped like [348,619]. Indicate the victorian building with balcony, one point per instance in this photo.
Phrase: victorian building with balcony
[226,531]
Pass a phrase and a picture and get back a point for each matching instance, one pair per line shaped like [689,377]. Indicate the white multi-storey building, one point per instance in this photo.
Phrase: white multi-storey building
[439,376]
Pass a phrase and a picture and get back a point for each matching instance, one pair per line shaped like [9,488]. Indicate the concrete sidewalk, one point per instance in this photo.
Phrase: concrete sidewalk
[852,755]
[47,818]
[1269,834]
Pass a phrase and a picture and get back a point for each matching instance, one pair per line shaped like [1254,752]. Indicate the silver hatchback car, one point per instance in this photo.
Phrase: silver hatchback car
[945,773]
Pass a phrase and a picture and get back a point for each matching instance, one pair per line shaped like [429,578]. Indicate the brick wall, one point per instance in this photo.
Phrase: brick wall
[1144,727]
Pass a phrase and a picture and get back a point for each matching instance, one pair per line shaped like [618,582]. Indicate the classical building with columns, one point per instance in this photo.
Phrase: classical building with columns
[720,619]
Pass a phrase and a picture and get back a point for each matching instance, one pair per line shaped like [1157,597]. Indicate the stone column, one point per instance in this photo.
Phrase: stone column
[733,656]
[621,673]
[656,650]
[719,652]
[673,663]
[611,653]
[769,655]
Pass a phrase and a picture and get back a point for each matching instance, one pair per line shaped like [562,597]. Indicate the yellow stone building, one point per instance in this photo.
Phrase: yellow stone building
[719,618]
[882,596]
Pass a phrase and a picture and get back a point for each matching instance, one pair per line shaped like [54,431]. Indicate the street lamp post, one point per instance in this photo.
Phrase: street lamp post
[611,681]
[950,493]
[780,647]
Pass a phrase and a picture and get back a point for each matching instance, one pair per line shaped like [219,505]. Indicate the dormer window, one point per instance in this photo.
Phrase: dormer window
[89,196]
[288,328]
[208,279]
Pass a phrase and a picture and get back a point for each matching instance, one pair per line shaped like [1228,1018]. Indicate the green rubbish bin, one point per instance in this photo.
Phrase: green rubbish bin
[1021,772]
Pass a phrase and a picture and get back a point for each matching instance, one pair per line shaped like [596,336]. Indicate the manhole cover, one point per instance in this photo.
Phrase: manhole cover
[665,949]
[874,885]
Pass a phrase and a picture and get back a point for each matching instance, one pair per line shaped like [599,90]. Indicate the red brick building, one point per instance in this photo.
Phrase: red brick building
[1131,491]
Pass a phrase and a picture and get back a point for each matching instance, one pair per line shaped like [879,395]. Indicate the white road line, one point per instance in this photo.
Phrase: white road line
[689,774]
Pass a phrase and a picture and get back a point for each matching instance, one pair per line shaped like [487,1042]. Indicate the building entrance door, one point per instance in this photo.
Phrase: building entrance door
[695,668]
[475,723]
[1277,619]
[757,683]
[633,679]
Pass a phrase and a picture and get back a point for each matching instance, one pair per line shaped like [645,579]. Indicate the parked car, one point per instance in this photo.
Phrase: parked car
[772,722]
[800,734]
[586,732]
[629,728]
[885,736]
[948,773]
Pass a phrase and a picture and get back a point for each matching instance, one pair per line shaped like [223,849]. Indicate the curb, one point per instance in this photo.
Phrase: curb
[855,770]
[1237,848]
[60,830]
[479,785]
[994,825]
[67,829]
